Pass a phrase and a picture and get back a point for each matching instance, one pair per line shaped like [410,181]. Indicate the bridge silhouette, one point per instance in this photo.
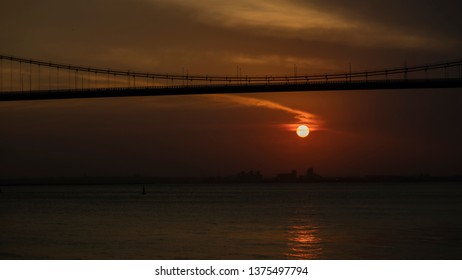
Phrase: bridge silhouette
[28,79]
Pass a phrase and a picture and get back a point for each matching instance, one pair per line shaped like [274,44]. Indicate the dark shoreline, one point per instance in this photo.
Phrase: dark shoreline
[218,180]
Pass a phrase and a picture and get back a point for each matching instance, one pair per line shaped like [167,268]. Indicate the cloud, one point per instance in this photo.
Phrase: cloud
[282,14]
[301,117]
[279,60]
[214,37]
[302,20]
[267,13]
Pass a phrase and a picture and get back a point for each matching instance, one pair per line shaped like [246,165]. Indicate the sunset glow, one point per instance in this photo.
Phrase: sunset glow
[354,133]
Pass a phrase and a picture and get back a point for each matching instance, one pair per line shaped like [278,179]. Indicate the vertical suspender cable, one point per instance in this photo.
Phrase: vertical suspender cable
[69,74]
[49,77]
[20,76]
[30,77]
[11,75]
[1,73]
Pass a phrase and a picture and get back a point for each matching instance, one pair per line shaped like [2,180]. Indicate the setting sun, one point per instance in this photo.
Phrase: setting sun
[303,131]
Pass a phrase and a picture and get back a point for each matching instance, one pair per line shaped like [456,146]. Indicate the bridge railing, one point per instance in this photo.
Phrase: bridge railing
[23,77]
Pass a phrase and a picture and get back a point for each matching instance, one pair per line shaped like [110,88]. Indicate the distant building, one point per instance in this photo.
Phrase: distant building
[249,177]
[287,177]
[310,176]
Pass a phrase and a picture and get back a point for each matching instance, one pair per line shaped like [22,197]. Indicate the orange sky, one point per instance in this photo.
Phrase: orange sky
[354,133]
[361,133]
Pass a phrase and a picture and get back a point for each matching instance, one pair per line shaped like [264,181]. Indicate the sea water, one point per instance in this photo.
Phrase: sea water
[233,221]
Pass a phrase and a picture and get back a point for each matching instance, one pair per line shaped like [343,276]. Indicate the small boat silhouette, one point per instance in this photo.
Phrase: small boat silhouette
[144,191]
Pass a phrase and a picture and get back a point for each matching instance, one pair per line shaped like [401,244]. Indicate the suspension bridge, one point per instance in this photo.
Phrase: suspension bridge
[29,79]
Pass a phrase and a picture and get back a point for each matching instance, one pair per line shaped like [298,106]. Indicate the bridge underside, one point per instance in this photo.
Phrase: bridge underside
[229,89]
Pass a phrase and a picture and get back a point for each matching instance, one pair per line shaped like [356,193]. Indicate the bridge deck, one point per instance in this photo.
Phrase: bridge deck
[231,88]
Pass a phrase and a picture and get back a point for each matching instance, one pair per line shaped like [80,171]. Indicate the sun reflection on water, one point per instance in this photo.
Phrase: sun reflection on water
[303,242]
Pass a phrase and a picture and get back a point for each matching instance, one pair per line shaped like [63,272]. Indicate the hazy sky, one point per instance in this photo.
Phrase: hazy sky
[355,133]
